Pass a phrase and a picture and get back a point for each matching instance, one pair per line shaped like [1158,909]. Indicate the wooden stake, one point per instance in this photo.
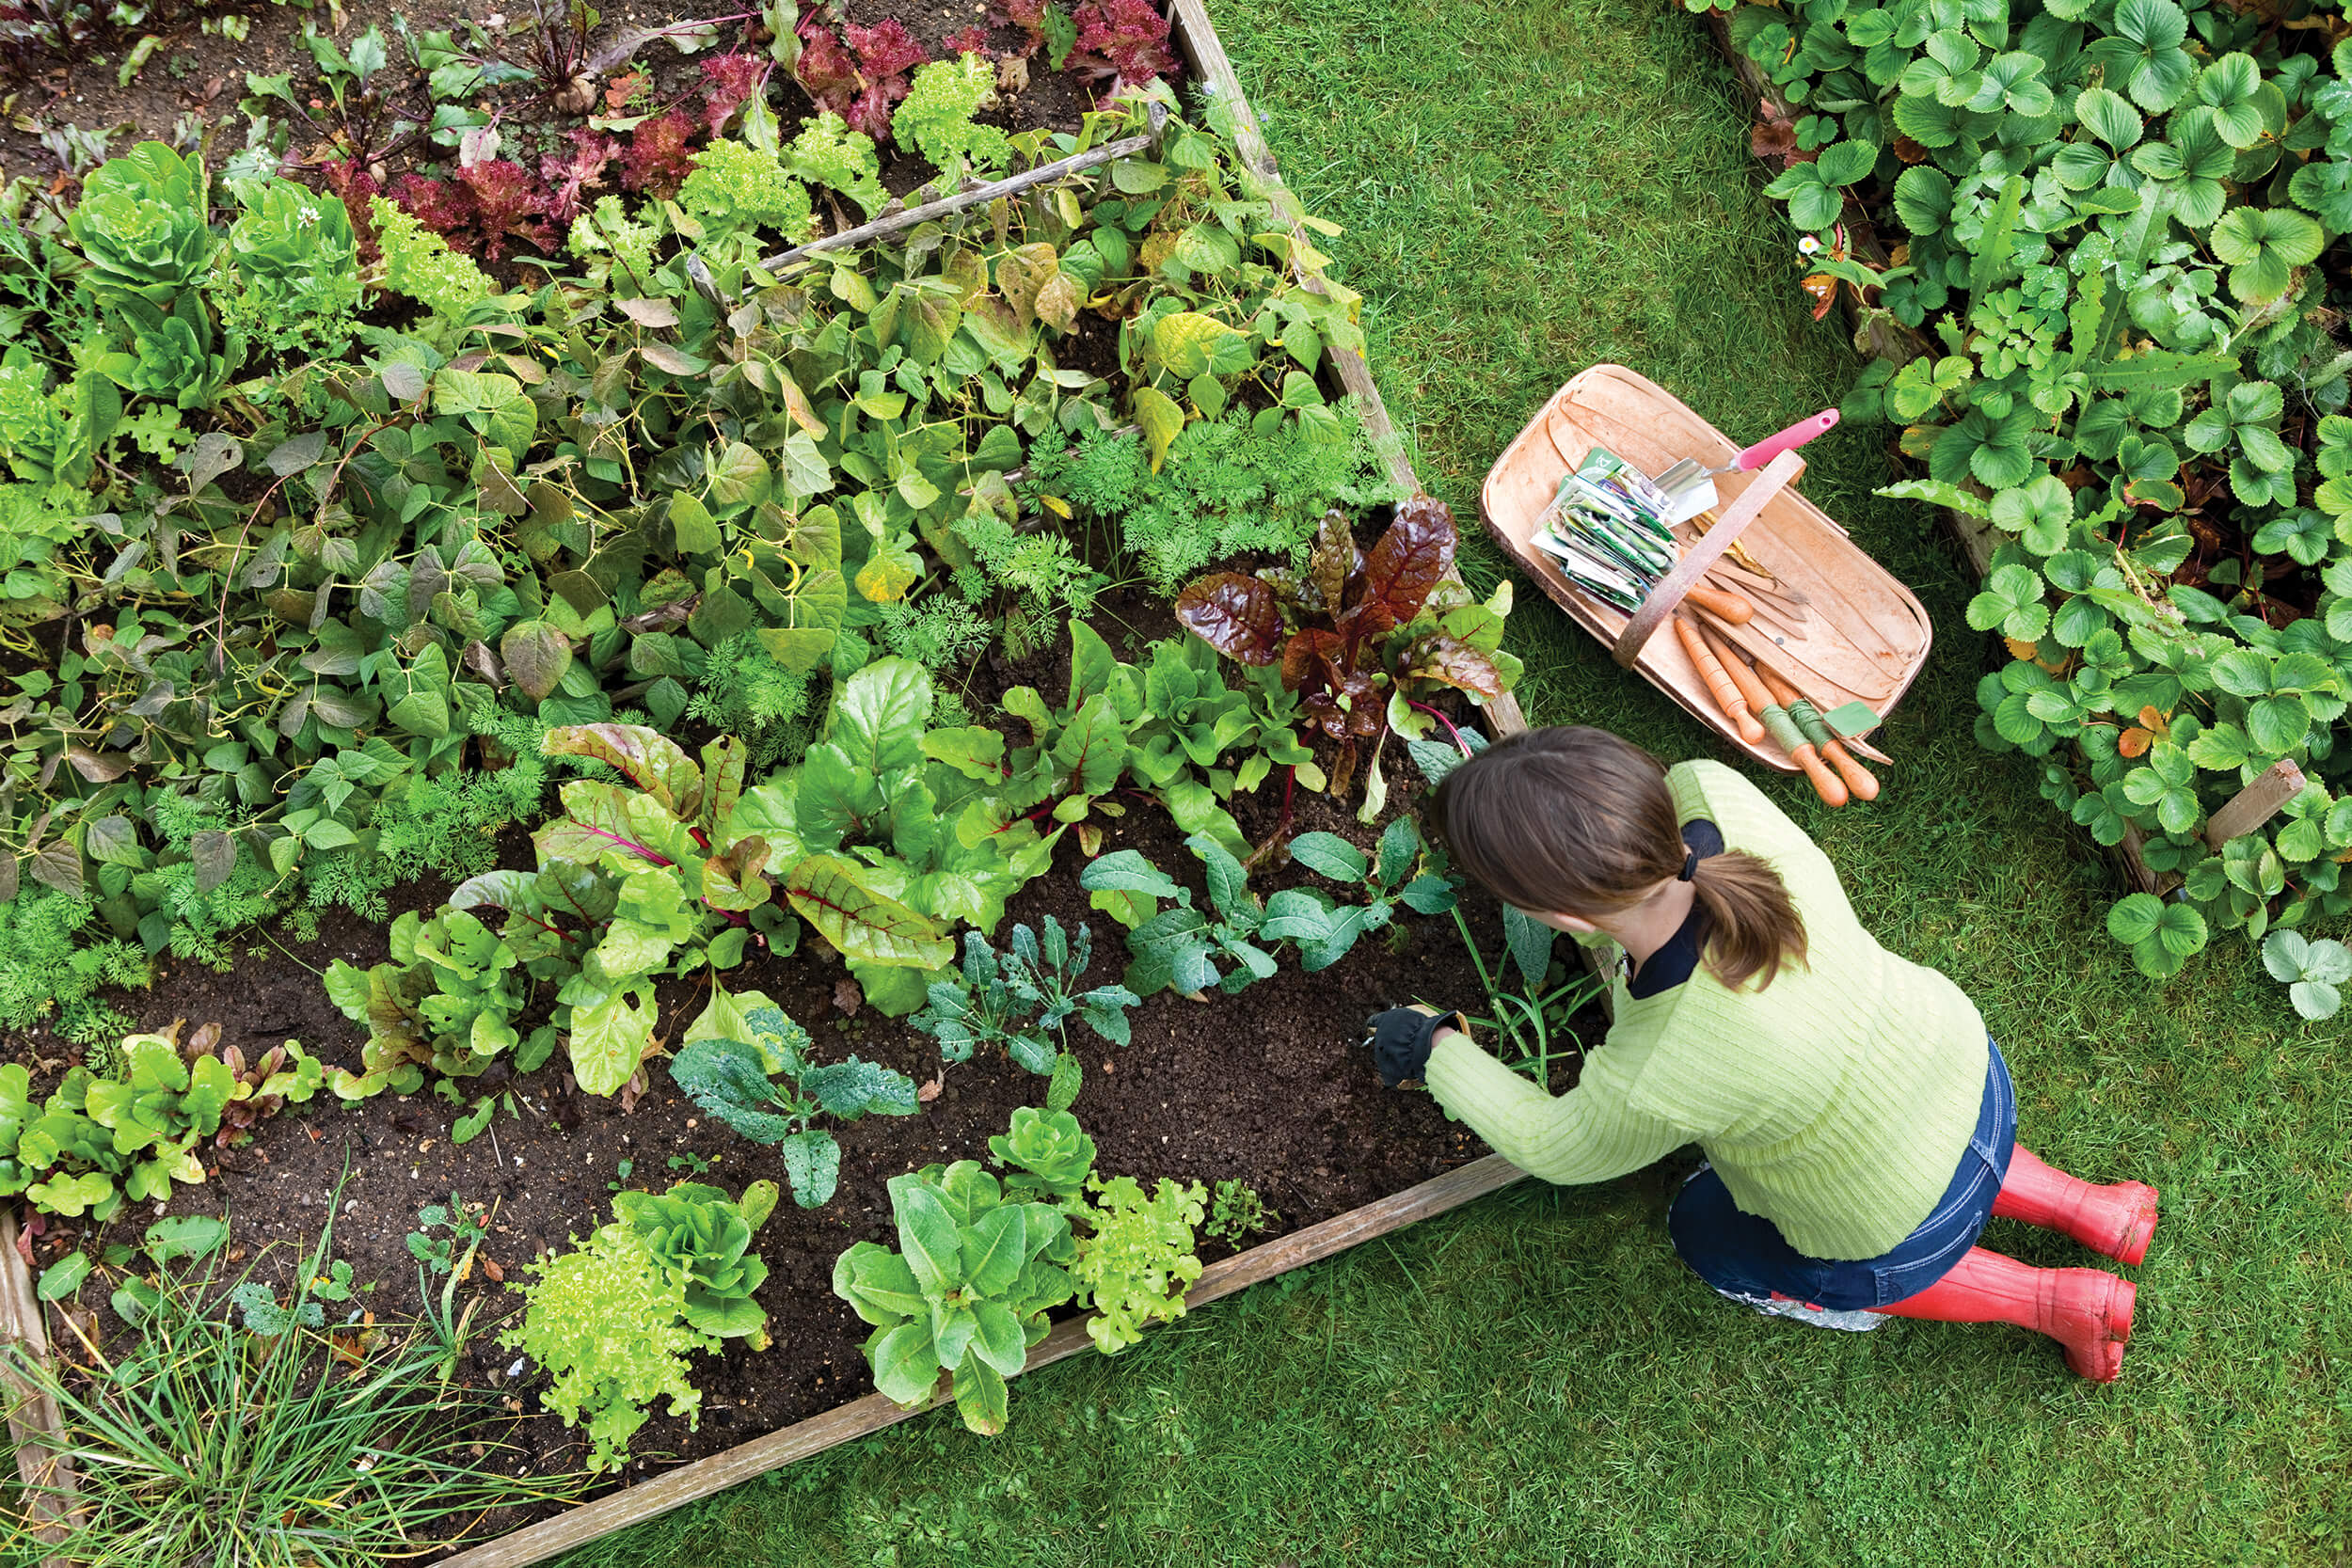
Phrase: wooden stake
[35,1427]
[1044,174]
[2257,803]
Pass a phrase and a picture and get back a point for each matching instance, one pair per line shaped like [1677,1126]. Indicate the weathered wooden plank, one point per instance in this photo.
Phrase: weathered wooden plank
[1212,72]
[650,1499]
[899,223]
[2257,803]
[35,1427]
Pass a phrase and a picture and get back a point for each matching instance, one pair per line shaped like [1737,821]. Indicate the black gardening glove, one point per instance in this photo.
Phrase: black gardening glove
[1401,1038]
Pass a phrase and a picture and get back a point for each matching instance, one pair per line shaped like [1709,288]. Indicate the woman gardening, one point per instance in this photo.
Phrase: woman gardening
[1858,1123]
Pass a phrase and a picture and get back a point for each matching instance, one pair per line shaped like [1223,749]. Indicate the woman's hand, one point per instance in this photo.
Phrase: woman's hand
[1400,1040]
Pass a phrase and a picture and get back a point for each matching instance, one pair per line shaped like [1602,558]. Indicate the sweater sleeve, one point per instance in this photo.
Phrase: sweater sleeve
[1591,1133]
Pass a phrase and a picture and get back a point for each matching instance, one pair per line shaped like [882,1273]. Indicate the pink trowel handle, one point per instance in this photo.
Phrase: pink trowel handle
[1788,441]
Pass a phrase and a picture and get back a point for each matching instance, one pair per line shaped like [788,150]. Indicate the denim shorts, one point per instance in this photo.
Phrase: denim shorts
[1744,1255]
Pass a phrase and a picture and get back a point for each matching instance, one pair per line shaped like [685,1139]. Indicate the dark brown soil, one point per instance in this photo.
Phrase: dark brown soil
[1270,1087]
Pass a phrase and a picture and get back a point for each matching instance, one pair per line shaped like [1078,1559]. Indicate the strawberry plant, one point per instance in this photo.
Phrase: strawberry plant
[2114,228]
[2313,971]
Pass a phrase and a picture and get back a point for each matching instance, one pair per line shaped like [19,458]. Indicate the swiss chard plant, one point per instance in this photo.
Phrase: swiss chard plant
[752,1069]
[653,876]
[1361,632]
[883,846]
[965,1296]
[1021,1002]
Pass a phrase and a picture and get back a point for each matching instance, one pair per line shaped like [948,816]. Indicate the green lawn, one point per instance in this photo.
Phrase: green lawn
[1530,187]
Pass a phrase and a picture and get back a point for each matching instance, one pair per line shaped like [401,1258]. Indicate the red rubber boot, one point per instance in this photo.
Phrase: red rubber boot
[2086,1310]
[2116,1219]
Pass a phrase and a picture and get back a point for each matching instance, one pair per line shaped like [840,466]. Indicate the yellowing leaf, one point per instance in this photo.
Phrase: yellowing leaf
[1161,418]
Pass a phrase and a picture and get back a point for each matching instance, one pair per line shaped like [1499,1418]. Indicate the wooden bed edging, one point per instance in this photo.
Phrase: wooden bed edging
[36,1431]
[2244,812]
[1213,73]
[650,1499]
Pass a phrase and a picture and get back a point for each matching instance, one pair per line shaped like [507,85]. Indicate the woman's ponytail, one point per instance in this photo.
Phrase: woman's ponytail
[1753,925]
[1577,821]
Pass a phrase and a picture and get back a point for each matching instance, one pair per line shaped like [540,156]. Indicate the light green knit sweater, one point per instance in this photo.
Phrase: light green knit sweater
[1836,1103]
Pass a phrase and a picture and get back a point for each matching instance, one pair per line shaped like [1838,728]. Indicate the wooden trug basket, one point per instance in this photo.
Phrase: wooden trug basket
[1864,636]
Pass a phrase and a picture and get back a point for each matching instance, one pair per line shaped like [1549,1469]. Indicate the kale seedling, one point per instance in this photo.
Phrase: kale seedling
[1177,949]
[1023,1002]
[766,1088]
[1326,928]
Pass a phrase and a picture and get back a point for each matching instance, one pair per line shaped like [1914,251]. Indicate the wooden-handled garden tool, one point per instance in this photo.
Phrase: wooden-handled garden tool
[1776,722]
[1691,488]
[1727,694]
[1808,719]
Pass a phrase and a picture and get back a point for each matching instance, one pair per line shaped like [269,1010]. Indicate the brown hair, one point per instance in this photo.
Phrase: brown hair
[1572,821]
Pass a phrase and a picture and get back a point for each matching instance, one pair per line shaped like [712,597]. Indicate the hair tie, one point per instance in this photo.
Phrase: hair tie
[1690,867]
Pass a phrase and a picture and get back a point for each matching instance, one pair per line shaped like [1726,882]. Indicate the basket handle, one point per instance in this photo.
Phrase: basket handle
[1660,602]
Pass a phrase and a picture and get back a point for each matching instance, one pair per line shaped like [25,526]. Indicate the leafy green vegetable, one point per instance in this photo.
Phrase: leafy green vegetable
[1137,1257]
[141,226]
[701,1239]
[1054,1155]
[967,1293]
[1021,1003]
[608,1323]
[1179,948]
[1324,929]
[750,1069]
[935,118]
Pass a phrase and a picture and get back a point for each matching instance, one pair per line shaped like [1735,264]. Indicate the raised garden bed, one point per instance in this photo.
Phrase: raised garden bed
[1263,1088]
[2227,861]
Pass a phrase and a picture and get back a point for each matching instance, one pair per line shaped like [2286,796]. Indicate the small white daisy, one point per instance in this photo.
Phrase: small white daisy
[1807,246]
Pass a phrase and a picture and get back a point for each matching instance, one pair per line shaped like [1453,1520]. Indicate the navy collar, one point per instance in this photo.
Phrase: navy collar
[1679,960]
